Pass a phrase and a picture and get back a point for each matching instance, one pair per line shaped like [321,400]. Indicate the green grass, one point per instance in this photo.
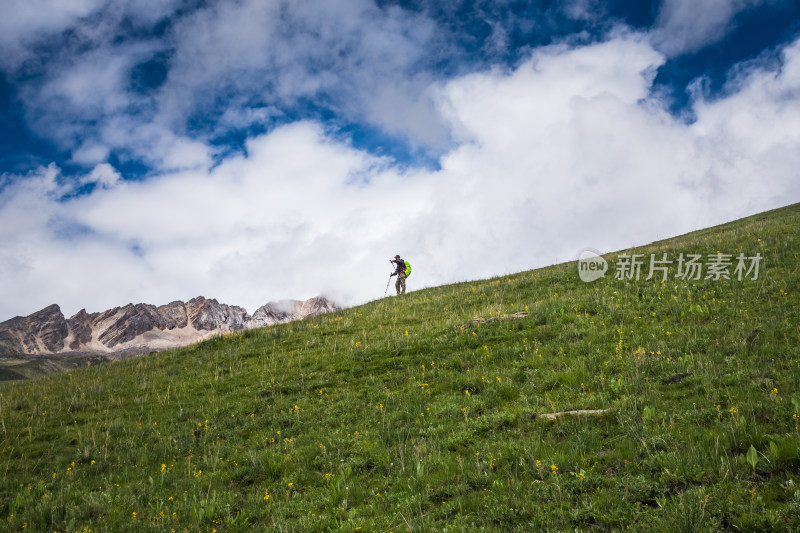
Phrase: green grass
[29,367]
[403,415]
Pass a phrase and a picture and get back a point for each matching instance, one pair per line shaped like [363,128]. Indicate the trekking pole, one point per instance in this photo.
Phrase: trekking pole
[387,284]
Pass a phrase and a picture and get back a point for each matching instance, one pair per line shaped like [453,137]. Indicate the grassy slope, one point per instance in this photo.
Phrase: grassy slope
[402,415]
[30,367]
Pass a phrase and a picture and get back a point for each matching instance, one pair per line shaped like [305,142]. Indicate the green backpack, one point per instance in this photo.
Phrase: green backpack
[408,268]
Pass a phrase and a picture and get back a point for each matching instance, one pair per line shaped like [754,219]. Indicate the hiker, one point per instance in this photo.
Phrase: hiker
[400,272]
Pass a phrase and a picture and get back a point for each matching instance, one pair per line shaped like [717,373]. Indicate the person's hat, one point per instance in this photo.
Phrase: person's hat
[397,257]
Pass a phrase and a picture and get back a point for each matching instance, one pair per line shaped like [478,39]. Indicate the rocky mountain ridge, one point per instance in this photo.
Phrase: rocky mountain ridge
[141,328]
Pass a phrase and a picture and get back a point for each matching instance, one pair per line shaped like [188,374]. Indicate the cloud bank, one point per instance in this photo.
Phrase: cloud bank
[568,148]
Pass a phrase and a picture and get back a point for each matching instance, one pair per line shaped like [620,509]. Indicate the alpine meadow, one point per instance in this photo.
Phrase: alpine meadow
[528,402]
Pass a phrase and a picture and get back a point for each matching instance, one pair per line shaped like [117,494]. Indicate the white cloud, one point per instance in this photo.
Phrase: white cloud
[25,20]
[365,62]
[584,9]
[563,152]
[84,104]
[90,153]
[103,175]
[91,22]
[689,25]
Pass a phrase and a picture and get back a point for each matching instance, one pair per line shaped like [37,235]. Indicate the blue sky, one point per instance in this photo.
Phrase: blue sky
[255,150]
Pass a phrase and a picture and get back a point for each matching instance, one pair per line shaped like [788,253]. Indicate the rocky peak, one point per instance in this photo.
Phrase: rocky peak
[124,324]
[317,305]
[287,310]
[143,327]
[81,326]
[210,315]
[174,315]
[42,331]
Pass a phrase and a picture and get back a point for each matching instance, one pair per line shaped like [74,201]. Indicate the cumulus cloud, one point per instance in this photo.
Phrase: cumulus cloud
[688,25]
[104,175]
[30,28]
[67,103]
[567,150]
[218,66]
[26,20]
[366,62]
